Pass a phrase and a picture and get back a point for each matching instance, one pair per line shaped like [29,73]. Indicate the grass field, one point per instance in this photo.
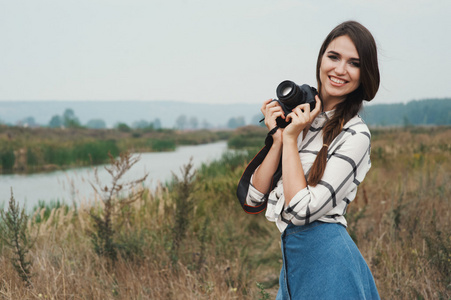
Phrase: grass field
[191,240]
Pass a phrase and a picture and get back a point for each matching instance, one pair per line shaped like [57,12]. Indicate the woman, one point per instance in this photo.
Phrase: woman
[324,155]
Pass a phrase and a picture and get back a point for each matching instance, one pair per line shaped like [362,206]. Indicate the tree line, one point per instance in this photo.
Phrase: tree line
[69,120]
[417,112]
[413,113]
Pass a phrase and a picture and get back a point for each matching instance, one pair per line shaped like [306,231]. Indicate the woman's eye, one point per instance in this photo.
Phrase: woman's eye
[355,64]
[333,57]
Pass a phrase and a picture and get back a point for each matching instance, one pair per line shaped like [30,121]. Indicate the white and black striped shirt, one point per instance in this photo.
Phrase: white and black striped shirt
[348,161]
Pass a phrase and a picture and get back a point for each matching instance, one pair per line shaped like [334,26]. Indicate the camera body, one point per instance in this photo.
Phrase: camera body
[290,95]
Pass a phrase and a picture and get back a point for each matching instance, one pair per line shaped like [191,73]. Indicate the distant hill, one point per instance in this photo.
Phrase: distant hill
[422,112]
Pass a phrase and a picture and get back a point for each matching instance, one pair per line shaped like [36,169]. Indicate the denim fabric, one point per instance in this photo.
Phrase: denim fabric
[320,261]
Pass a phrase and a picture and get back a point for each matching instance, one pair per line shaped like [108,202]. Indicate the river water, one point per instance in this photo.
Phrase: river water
[74,185]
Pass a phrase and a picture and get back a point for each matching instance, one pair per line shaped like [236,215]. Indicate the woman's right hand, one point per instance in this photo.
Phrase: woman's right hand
[263,176]
[271,110]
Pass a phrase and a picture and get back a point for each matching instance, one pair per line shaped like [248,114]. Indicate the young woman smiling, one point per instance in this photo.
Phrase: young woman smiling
[322,156]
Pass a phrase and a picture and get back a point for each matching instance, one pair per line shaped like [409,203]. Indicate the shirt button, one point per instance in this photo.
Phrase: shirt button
[316,122]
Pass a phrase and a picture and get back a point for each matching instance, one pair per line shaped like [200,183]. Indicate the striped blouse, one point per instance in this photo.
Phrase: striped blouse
[348,161]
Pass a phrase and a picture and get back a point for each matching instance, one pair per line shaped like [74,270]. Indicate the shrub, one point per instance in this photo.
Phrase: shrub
[15,235]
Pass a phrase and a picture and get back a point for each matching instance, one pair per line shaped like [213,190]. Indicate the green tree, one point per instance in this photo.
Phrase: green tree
[69,119]
[56,122]
[123,127]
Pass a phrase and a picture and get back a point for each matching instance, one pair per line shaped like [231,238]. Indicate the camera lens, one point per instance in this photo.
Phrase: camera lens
[286,90]
[289,94]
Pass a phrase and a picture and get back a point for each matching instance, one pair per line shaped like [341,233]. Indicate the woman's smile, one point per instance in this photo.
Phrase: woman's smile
[337,81]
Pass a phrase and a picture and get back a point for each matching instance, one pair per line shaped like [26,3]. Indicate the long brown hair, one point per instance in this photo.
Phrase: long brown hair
[347,109]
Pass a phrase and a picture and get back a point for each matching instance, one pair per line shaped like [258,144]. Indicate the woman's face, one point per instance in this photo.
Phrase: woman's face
[339,71]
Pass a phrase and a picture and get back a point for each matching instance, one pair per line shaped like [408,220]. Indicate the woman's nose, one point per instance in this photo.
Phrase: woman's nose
[340,69]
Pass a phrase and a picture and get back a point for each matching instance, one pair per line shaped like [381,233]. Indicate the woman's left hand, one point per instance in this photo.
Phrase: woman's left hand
[301,117]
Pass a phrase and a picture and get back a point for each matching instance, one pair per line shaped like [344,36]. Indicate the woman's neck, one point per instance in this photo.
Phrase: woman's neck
[329,103]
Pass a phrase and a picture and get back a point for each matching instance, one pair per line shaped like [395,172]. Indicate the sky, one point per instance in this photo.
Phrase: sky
[209,51]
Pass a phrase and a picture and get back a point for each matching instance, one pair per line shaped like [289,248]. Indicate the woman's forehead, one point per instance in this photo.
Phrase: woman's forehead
[343,45]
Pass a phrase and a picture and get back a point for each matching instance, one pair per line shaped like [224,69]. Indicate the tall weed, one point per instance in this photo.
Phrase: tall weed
[115,205]
[184,206]
[14,233]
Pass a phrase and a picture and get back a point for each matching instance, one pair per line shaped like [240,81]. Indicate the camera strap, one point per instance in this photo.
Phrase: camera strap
[245,181]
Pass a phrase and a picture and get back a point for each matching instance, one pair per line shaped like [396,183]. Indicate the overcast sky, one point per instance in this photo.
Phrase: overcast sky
[234,51]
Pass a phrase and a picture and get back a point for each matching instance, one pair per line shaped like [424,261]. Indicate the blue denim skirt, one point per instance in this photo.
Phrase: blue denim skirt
[321,261]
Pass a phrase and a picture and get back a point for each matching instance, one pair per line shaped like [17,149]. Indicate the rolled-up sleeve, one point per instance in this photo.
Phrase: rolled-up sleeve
[346,167]
[254,197]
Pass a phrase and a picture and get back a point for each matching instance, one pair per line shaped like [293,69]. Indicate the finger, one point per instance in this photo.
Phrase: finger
[276,114]
[275,109]
[274,104]
[303,107]
[318,105]
[266,102]
[302,113]
[264,105]
[297,116]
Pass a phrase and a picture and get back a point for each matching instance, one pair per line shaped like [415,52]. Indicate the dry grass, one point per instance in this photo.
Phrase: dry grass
[400,220]
[405,234]
[66,267]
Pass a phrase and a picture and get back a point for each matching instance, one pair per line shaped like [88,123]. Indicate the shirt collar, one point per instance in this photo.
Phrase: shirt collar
[327,114]
[323,117]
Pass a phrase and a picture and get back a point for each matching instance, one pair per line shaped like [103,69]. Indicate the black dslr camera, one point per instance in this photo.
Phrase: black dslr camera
[291,95]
